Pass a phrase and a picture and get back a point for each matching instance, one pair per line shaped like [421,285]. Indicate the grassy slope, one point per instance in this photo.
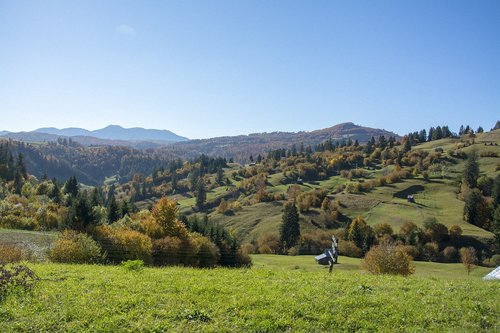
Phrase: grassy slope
[262,299]
[422,269]
[437,199]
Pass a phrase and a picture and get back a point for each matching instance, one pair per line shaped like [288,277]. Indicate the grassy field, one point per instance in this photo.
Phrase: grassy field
[346,264]
[266,298]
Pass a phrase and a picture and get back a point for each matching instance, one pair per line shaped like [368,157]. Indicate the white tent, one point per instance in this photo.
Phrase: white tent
[493,275]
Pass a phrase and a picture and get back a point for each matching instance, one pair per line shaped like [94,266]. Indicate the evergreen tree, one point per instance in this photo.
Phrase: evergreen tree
[495,193]
[18,182]
[406,144]
[113,212]
[471,170]
[474,212]
[201,195]
[219,178]
[55,192]
[290,227]
[71,186]
[21,167]
[95,198]
[80,213]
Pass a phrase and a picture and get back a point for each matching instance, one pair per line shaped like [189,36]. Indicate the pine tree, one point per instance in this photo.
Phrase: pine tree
[71,186]
[471,170]
[201,195]
[290,227]
[80,213]
[495,193]
[219,178]
[55,192]
[21,167]
[18,182]
[113,212]
[474,208]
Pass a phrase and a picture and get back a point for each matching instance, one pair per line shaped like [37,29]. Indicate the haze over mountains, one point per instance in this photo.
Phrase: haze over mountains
[94,155]
[137,137]
[115,132]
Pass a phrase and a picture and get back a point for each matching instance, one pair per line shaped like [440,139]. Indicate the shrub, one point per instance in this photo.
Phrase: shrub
[450,253]
[314,242]
[9,253]
[349,249]
[382,229]
[469,258]
[410,250]
[430,251]
[15,277]
[248,248]
[435,231]
[133,265]
[243,259]
[166,251]
[455,231]
[388,259]
[268,244]
[208,254]
[124,244]
[74,247]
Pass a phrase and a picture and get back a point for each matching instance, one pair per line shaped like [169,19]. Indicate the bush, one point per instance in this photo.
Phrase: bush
[349,249]
[124,244]
[166,251]
[314,242]
[455,231]
[208,253]
[430,251]
[469,258]
[268,244]
[382,229]
[133,265]
[410,250]
[243,259]
[74,247]
[450,253]
[9,253]
[388,259]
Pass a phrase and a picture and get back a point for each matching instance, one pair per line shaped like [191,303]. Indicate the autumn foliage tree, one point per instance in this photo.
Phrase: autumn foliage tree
[388,259]
[165,215]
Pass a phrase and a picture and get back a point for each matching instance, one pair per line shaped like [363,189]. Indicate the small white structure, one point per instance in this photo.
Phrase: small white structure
[493,275]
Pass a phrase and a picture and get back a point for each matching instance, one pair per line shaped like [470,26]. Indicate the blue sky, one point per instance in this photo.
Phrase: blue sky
[213,68]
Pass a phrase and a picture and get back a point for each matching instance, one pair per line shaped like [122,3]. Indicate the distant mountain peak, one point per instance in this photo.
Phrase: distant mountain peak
[116,132]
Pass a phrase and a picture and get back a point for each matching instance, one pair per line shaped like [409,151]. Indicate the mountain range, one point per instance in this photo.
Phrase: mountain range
[124,152]
[112,135]
[115,132]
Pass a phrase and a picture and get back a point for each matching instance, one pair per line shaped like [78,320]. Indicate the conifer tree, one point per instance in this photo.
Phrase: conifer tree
[290,227]
[71,186]
[201,195]
[113,212]
[471,170]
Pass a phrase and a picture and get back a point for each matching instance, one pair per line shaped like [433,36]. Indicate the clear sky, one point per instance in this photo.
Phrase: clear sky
[212,68]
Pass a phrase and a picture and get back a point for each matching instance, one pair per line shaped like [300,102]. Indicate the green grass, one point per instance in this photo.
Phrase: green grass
[437,199]
[346,264]
[83,298]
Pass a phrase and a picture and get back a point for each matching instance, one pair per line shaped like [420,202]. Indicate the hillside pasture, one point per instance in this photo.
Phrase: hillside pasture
[85,298]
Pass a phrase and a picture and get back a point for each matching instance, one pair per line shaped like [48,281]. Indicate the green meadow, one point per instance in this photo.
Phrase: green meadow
[278,294]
